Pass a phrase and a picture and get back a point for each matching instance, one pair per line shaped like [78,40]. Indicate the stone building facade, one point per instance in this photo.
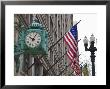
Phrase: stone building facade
[56,63]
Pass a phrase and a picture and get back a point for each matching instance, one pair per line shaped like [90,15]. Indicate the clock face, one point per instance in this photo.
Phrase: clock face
[33,39]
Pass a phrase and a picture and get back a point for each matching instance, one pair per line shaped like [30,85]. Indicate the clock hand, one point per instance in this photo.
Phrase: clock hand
[30,37]
[35,35]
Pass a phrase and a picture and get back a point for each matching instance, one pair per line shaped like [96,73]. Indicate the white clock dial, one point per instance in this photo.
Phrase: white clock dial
[33,39]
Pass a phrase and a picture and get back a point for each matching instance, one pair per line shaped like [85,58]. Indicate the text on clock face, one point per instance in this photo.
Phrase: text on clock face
[33,39]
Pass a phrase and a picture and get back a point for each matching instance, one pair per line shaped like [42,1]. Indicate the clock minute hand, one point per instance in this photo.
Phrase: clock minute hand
[35,35]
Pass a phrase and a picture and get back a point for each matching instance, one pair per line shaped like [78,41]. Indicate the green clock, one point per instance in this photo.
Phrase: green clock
[36,39]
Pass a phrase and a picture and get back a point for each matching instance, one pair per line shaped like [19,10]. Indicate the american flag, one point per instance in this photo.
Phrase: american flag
[71,39]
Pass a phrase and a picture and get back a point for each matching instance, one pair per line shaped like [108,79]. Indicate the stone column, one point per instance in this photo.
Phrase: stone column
[33,67]
[21,57]
[41,70]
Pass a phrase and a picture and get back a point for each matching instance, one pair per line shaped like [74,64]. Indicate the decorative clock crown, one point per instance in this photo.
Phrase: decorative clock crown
[35,24]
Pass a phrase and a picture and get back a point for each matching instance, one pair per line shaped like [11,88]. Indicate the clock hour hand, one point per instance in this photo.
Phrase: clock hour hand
[30,37]
[35,35]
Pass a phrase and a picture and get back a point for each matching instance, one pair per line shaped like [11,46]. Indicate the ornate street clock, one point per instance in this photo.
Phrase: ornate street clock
[36,39]
[33,40]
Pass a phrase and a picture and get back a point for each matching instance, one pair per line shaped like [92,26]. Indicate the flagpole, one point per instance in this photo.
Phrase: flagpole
[64,69]
[61,38]
[77,22]
[56,62]
[71,73]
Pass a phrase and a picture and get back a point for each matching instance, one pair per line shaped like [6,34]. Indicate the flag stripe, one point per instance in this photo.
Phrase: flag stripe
[71,53]
[72,44]
[66,40]
[71,36]
[70,57]
[71,41]
[76,68]
[76,60]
